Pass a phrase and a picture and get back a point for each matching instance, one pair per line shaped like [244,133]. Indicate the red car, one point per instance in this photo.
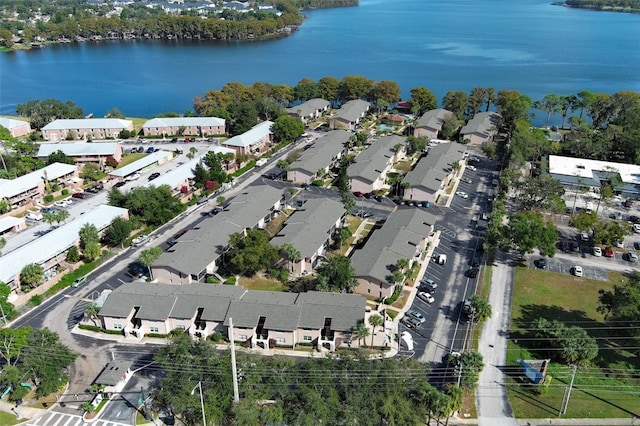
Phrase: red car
[358,194]
[187,140]
[608,252]
[80,195]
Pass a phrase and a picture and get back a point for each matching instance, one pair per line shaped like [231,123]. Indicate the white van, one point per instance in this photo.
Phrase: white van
[34,216]
[441,259]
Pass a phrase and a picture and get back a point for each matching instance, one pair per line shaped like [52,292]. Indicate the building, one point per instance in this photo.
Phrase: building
[12,224]
[253,141]
[184,126]
[85,128]
[311,229]
[369,171]
[431,176]
[16,128]
[481,128]
[32,186]
[322,155]
[197,253]
[404,235]
[430,124]
[310,110]
[260,319]
[83,152]
[49,250]
[349,115]
[574,172]
[143,164]
[177,178]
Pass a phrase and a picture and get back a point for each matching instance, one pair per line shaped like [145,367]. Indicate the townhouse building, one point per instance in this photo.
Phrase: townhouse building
[184,126]
[430,124]
[310,110]
[349,115]
[32,186]
[83,152]
[17,128]
[253,141]
[481,128]
[85,128]
[369,171]
[320,157]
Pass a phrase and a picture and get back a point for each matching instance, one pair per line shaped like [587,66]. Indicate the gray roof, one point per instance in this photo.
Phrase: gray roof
[77,149]
[434,119]
[55,242]
[202,245]
[353,110]
[309,107]
[161,301]
[431,170]
[482,123]
[282,311]
[141,163]
[397,239]
[113,373]
[307,229]
[11,187]
[251,136]
[176,176]
[370,163]
[184,121]
[323,151]
[88,123]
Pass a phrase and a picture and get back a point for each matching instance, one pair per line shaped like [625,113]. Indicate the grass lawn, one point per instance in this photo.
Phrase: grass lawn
[263,284]
[405,166]
[402,299]
[608,388]
[8,419]
[130,158]
[137,122]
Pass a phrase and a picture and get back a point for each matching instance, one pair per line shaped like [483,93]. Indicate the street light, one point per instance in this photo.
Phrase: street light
[199,386]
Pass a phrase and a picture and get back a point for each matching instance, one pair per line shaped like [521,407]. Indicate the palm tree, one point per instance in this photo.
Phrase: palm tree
[3,242]
[375,320]
[481,308]
[361,331]
[61,216]
[91,311]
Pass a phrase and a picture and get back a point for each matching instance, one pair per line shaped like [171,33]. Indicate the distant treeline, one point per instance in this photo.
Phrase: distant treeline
[609,5]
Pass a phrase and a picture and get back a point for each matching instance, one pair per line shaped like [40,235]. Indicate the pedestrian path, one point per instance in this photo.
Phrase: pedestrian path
[59,419]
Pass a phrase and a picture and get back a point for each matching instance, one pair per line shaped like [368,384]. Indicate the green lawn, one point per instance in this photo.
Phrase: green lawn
[130,158]
[405,166]
[262,284]
[599,392]
[8,419]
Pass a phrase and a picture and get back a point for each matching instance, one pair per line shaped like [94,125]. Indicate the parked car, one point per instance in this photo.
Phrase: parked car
[472,168]
[541,263]
[428,285]
[597,251]
[187,140]
[631,256]
[140,149]
[577,270]
[79,281]
[368,195]
[80,195]
[378,198]
[150,150]
[636,228]
[153,176]
[462,194]
[48,210]
[473,272]
[120,184]
[34,216]
[427,297]
[608,252]
[636,245]
[475,262]
[619,244]
[564,246]
[91,190]
[139,240]
[466,180]
[417,315]
[174,140]
[358,194]
[61,203]
[425,204]
[411,322]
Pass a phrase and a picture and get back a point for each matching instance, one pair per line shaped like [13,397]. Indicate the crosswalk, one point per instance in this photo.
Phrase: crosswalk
[59,419]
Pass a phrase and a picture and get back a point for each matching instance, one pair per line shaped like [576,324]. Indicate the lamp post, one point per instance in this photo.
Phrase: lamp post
[199,386]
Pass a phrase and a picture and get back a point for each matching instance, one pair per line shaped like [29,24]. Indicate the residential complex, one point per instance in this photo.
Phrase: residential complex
[430,124]
[32,186]
[481,128]
[16,128]
[369,171]
[85,128]
[253,141]
[320,157]
[349,115]
[83,152]
[310,110]
[184,126]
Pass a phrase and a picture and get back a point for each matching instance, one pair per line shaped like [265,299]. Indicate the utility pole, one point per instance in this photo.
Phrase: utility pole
[573,376]
[234,371]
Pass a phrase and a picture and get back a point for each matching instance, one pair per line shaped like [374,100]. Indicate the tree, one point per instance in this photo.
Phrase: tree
[289,252]
[550,104]
[360,332]
[455,102]
[397,276]
[342,235]
[92,172]
[91,311]
[540,192]
[12,342]
[338,273]
[480,307]
[88,234]
[375,321]
[91,250]
[251,253]
[305,89]
[328,88]
[422,100]
[287,128]
[244,116]
[72,255]
[3,243]
[114,113]
[192,153]
[7,307]
[59,157]
[621,306]
[572,345]
[387,91]
[41,112]
[349,203]
[528,230]
[512,106]
[118,232]
[61,216]
[148,256]
[471,364]
[354,87]
[584,222]
[415,144]
[31,274]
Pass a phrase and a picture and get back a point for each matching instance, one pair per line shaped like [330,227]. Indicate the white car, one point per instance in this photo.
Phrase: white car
[636,228]
[597,251]
[472,168]
[61,203]
[34,216]
[423,295]
[577,270]
[138,241]
[462,194]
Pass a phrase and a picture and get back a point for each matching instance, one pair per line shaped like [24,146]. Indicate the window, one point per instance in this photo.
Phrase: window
[242,337]
[180,327]
[153,329]
[307,338]
[280,340]
[117,326]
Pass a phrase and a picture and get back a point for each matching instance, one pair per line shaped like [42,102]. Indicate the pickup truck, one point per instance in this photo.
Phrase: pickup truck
[261,162]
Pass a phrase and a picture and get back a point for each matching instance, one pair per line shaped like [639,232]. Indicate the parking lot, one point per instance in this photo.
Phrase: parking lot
[564,266]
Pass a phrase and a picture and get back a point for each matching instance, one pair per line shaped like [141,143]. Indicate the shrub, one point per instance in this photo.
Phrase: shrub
[72,255]
[230,281]
[396,294]
[216,337]
[65,191]
[212,280]
[317,182]
[35,300]
[157,335]
[89,327]
[48,198]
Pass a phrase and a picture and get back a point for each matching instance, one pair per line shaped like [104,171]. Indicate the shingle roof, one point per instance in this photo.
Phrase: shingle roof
[309,107]
[307,229]
[434,119]
[482,123]
[205,243]
[141,163]
[352,110]
[88,123]
[113,372]
[322,152]
[184,121]
[9,188]
[76,149]
[55,242]
[251,136]
[370,163]
[397,239]
[431,170]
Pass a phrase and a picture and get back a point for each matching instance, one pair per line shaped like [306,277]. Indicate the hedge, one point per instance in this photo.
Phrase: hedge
[250,165]
[90,328]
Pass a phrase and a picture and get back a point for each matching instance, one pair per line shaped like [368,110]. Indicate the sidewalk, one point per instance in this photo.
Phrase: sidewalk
[454,420]
[24,411]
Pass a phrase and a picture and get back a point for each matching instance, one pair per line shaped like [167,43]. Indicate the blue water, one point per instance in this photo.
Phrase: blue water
[526,45]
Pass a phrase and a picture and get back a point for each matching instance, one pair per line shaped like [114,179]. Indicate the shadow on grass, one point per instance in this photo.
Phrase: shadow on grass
[531,399]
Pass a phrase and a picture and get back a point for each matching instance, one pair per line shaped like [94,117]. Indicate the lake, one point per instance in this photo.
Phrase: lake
[526,45]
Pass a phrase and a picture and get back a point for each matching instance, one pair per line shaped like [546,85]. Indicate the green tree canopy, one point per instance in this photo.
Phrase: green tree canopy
[31,274]
[422,100]
[528,230]
[118,232]
[338,274]
[59,157]
[287,128]
[41,112]
[251,253]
